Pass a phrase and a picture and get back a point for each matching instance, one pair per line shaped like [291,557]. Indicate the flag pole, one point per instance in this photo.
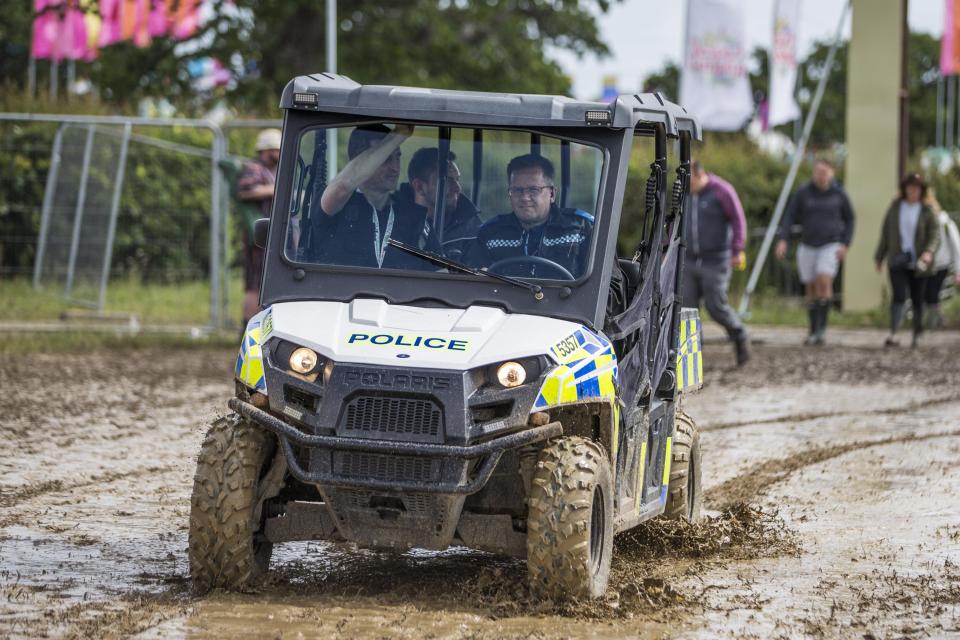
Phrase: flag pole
[32,77]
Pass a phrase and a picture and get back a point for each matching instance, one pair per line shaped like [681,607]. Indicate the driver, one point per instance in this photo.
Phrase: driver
[536,227]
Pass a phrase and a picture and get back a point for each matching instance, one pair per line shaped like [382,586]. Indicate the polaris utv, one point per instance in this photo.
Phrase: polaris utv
[430,369]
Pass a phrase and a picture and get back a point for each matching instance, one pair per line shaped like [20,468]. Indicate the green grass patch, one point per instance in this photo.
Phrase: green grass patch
[773,310]
[86,341]
[153,304]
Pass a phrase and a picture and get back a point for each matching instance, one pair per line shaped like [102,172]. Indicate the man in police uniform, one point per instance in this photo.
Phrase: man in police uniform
[359,211]
[536,228]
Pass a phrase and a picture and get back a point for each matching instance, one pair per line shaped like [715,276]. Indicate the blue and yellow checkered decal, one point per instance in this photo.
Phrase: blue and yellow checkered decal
[587,369]
[249,369]
[689,356]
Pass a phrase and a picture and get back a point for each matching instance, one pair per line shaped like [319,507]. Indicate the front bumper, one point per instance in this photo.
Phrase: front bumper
[470,481]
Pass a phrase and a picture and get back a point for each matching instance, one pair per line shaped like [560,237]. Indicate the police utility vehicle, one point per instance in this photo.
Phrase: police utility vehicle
[520,395]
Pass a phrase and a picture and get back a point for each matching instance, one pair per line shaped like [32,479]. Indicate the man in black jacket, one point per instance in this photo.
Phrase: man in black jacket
[536,228]
[461,219]
[823,211]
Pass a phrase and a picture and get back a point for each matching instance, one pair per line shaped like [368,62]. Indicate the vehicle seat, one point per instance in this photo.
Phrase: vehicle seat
[631,276]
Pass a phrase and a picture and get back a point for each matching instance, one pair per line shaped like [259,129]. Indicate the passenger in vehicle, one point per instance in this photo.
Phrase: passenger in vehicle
[360,211]
[461,219]
[536,227]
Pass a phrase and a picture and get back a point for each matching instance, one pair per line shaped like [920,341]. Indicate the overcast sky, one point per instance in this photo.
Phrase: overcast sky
[643,35]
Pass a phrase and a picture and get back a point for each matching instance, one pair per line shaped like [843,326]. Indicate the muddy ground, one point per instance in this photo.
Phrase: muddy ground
[832,480]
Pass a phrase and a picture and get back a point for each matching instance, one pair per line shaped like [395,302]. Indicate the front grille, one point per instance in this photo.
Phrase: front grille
[385,467]
[401,416]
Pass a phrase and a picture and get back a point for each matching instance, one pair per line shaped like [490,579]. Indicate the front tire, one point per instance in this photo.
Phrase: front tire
[226,548]
[570,520]
[684,496]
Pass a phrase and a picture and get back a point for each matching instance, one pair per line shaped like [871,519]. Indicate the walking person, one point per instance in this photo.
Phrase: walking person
[255,186]
[908,241]
[713,246]
[822,209]
[946,261]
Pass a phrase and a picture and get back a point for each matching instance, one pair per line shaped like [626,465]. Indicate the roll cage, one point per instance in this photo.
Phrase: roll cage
[641,311]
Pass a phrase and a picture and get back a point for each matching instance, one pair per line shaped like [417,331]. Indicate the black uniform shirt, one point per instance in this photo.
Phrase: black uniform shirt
[350,237]
[564,238]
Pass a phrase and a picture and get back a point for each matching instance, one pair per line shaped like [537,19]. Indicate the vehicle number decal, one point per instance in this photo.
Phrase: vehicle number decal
[566,347]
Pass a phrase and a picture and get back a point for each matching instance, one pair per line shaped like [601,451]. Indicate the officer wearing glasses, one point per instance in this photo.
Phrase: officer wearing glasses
[538,238]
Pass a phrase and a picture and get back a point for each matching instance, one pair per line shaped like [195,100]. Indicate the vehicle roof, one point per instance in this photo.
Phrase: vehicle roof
[339,94]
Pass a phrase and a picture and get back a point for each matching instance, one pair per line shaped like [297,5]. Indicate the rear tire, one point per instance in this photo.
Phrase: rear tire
[570,520]
[684,497]
[226,548]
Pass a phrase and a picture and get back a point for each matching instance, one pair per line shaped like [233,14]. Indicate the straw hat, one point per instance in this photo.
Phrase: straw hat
[268,139]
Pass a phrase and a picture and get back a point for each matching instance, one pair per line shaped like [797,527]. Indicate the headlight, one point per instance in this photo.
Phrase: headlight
[303,360]
[511,374]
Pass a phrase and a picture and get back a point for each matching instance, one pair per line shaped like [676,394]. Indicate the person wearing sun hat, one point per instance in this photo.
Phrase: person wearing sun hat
[255,186]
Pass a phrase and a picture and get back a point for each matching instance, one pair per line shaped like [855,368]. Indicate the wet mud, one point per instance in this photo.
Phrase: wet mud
[830,477]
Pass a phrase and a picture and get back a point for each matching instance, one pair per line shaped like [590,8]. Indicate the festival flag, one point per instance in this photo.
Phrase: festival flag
[111,31]
[950,44]
[187,19]
[783,63]
[59,31]
[77,29]
[714,84]
[134,16]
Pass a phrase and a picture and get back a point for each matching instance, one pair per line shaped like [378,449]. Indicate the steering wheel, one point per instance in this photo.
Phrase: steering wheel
[557,269]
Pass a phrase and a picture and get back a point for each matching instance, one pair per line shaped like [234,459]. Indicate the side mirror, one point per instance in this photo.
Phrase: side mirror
[260,230]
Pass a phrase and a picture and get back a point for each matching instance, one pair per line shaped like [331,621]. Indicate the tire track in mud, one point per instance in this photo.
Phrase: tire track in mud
[11,499]
[746,486]
[806,417]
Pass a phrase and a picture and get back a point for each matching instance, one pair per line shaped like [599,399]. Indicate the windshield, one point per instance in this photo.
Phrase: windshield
[514,203]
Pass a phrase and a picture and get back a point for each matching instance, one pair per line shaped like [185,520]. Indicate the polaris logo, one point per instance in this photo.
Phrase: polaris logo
[402,381]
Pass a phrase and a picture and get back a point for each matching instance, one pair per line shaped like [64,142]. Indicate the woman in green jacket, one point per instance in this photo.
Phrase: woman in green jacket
[908,241]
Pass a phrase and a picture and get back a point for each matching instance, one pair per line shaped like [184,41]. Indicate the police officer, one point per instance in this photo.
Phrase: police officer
[360,212]
[536,228]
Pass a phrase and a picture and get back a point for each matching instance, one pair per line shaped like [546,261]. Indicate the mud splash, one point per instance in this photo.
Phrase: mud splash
[648,560]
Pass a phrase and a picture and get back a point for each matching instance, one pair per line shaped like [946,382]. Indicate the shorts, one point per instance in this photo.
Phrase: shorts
[817,261]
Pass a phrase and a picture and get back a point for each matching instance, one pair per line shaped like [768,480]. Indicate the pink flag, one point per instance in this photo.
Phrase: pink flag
[111,31]
[46,29]
[187,19]
[59,31]
[158,24]
[950,44]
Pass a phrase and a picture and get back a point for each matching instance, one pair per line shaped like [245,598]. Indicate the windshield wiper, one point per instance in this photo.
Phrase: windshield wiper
[536,289]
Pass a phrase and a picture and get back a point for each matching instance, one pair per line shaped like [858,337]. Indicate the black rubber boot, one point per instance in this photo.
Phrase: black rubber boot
[814,319]
[741,345]
[823,313]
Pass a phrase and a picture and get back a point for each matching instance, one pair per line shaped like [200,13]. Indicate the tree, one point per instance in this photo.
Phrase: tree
[491,45]
[666,81]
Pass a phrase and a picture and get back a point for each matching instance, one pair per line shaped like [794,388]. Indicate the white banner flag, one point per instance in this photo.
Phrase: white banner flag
[714,85]
[783,63]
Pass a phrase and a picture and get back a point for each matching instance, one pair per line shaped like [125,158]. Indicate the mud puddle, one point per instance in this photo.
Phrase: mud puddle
[833,493]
